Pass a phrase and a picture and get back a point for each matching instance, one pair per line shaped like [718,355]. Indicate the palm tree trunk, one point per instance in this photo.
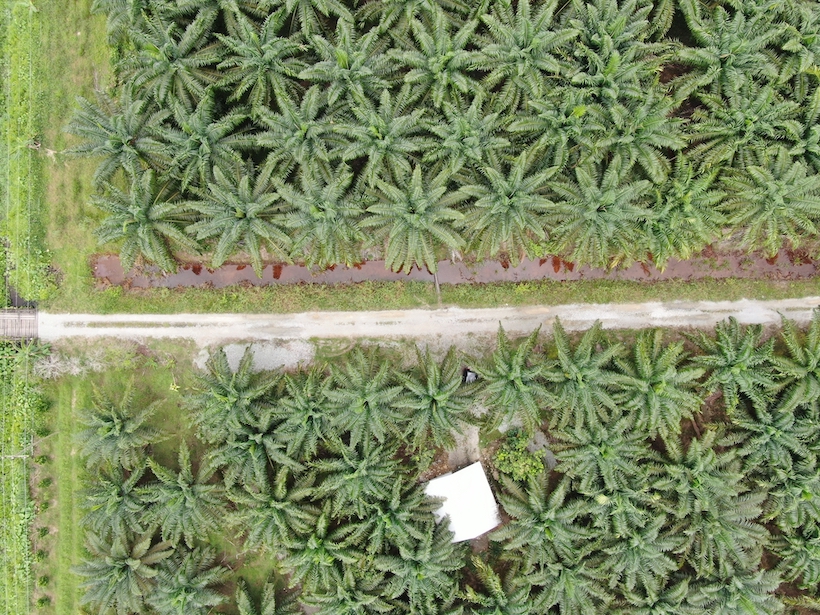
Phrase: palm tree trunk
[438,288]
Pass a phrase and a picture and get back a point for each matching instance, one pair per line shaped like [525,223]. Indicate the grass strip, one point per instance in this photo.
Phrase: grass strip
[408,295]
[19,402]
[21,169]
[74,43]
[69,537]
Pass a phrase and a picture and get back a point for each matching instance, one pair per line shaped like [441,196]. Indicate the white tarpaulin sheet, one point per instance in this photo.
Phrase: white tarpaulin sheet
[468,501]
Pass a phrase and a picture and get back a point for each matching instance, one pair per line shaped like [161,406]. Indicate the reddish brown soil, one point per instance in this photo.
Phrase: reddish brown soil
[787,265]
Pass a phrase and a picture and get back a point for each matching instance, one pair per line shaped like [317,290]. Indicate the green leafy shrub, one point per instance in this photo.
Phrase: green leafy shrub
[515,460]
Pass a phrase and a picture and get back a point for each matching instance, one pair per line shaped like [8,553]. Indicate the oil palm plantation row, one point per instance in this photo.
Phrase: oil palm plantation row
[687,481]
[327,132]
[676,472]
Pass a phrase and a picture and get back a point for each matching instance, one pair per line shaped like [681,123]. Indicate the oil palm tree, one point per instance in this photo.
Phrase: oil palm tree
[269,603]
[324,219]
[385,135]
[311,15]
[508,214]
[686,216]
[507,595]
[226,399]
[251,452]
[185,505]
[241,211]
[807,146]
[185,583]
[114,504]
[120,572]
[739,363]
[672,600]
[801,44]
[742,130]
[800,364]
[354,478]
[351,67]
[565,125]
[547,522]
[598,215]
[122,16]
[204,140]
[643,133]
[770,439]
[466,136]
[122,132]
[602,457]
[773,206]
[521,51]
[298,136]
[306,422]
[582,381]
[173,64]
[260,64]
[233,14]
[147,220]
[625,511]
[424,572]
[659,392]
[800,556]
[115,433]
[731,48]
[578,588]
[792,502]
[715,509]
[398,519]
[642,560]
[436,405]
[361,597]
[271,513]
[748,591]
[362,398]
[613,57]
[323,558]
[512,382]
[393,17]
[438,62]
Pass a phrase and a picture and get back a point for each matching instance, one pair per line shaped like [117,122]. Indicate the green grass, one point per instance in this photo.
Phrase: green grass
[74,45]
[19,403]
[21,168]
[407,295]
[69,473]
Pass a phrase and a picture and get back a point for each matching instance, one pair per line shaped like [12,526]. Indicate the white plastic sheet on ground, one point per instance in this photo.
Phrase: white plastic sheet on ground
[468,501]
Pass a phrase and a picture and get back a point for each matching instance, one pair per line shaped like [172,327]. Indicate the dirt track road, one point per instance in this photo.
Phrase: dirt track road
[444,325]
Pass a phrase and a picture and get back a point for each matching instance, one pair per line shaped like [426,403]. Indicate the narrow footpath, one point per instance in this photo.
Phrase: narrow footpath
[446,325]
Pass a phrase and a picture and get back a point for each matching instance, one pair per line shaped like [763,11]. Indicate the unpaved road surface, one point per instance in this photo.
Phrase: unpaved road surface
[446,326]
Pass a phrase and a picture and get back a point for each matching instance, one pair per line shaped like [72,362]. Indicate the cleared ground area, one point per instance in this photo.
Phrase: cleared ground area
[448,324]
